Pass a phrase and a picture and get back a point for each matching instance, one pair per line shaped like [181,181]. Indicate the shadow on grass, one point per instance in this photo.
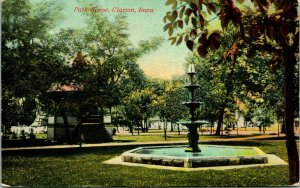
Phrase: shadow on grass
[279,138]
[240,143]
[7,143]
[109,150]
[226,136]
[67,152]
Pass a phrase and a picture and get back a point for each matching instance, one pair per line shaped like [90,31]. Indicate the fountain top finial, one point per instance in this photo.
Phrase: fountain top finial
[191,69]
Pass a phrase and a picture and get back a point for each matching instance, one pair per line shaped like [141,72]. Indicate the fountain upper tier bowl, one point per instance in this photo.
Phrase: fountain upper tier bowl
[210,155]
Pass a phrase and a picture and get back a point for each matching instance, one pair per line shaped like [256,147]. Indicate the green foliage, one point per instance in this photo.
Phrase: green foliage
[265,117]
[104,53]
[154,97]
[169,102]
[138,105]
[241,84]
[264,25]
[135,79]
[36,57]
[29,62]
[217,78]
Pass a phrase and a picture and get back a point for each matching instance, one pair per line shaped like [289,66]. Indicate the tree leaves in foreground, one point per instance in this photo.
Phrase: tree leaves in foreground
[268,26]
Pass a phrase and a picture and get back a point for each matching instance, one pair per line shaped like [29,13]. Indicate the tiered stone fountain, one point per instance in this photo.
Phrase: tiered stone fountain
[191,156]
[192,125]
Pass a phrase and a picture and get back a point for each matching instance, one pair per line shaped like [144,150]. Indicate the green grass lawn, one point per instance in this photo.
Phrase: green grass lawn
[144,137]
[83,167]
[148,138]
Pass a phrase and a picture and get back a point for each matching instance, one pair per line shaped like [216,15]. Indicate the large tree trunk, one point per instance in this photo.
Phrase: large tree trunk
[131,128]
[139,126]
[143,125]
[211,127]
[221,113]
[283,126]
[172,129]
[220,120]
[293,157]
[165,128]
[178,129]
[146,124]
[245,125]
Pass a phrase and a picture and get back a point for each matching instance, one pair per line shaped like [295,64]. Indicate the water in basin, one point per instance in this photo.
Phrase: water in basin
[206,151]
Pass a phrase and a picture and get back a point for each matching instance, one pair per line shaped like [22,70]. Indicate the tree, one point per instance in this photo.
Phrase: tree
[135,79]
[138,105]
[176,96]
[212,88]
[270,28]
[169,103]
[226,85]
[98,58]
[219,83]
[265,118]
[30,62]
[107,48]
[36,58]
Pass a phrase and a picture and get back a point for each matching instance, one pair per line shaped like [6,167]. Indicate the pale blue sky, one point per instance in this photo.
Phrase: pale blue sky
[165,62]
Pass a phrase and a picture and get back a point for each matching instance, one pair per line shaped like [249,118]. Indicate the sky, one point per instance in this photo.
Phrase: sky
[165,62]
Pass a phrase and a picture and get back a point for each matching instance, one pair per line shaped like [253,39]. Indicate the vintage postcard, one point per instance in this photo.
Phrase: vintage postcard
[149,93]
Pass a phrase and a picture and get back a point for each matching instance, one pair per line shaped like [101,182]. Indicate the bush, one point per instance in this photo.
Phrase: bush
[13,135]
[5,137]
[22,135]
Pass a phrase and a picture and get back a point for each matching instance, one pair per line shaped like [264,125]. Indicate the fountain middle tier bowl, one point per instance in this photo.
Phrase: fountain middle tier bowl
[210,155]
[192,104]
[196,123]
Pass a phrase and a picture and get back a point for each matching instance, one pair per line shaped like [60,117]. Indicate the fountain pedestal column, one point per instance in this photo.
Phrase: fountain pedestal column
[193,138]
[192,125]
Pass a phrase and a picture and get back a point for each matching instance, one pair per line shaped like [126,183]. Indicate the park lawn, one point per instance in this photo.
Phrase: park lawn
[157,137]
[149,138]
[170,137]
[83,167]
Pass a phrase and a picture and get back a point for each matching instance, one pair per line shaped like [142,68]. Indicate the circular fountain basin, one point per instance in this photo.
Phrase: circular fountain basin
[210,155]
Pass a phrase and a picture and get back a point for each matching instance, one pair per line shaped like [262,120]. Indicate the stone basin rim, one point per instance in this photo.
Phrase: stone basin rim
[130,153]
[194,161]
[259,151]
